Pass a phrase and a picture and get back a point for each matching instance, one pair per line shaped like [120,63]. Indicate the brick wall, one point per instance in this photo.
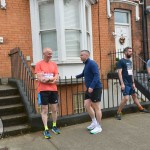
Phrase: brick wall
[15,28]
[100,36]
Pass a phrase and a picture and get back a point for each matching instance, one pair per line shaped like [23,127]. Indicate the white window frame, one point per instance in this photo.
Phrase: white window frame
[125,24]
[129,17]
[59,18]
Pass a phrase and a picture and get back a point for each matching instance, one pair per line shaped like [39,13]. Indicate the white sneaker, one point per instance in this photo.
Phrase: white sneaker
[96,130]
[92,126]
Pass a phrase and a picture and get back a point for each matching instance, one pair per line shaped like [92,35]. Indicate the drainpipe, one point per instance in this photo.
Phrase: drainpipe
[144,31]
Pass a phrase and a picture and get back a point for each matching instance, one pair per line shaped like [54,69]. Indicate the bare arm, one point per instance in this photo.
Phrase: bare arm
[55,79]
[121,79]
[42,79]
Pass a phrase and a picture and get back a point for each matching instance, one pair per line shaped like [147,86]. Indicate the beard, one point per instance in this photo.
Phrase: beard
[128,56]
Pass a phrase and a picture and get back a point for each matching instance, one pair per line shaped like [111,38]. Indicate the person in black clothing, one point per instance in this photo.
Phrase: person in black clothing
[93,93]
[125,73]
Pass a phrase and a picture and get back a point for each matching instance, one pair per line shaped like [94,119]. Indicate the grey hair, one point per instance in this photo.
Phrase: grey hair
[86,51]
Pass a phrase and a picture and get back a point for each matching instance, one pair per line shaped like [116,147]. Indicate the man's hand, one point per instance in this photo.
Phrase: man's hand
[133,86]
[90,90]
[45,80]
[122,86]
[54,80]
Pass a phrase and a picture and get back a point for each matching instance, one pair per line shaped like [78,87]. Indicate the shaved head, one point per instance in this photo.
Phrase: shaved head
[47,53]
[84,55]
[86,52]
[45,50]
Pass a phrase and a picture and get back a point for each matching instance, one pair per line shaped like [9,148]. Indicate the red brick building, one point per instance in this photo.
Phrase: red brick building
[67,26]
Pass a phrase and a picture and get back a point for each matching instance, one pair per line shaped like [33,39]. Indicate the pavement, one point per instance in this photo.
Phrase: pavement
[131,133]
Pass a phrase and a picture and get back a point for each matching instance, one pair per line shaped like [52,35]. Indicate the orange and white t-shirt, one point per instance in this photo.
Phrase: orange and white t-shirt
[49,69]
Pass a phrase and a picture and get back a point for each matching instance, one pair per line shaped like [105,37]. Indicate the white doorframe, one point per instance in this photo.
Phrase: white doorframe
[123,30]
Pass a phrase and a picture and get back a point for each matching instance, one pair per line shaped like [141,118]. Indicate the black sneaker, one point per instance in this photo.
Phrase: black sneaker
[56,130]
[118,116]
[144,110]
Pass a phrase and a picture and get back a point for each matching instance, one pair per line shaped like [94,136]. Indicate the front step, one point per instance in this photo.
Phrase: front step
[16,130]
[16,119]
[12,112]
[7,100]
[6,90]
[11,109]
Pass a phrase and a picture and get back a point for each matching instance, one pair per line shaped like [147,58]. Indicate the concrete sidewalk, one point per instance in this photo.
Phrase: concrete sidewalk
[131,133]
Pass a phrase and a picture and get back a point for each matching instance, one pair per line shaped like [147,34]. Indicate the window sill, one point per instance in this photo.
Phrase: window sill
[62,63]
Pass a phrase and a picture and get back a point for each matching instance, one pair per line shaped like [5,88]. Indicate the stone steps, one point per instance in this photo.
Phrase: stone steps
[12,112]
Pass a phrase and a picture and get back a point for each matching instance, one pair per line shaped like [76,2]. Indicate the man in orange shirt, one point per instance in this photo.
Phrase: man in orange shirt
[47,75]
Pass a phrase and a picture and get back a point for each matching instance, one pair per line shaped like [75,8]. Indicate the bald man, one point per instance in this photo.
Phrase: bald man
[93,92]
[47,74]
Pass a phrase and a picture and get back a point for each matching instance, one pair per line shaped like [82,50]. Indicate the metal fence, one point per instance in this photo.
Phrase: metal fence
[21,71]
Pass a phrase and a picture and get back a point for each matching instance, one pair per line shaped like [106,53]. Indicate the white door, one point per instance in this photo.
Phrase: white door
[122,31]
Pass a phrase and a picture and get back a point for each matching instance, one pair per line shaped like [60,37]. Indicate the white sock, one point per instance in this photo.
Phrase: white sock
[94,121]
[98,125]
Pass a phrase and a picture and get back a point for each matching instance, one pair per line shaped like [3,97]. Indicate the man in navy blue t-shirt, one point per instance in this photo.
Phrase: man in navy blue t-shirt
[125,73]
[94,89]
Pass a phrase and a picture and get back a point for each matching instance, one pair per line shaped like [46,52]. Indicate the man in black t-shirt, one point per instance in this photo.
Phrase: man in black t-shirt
[125,73]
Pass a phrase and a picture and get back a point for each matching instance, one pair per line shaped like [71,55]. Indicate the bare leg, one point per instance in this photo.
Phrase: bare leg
[136,101]
[97,111]
[88,106]
[54,112]
[122,104]
[44,113]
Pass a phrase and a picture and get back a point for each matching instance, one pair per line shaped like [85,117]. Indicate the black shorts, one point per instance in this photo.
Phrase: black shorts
[95,96]
[49,97]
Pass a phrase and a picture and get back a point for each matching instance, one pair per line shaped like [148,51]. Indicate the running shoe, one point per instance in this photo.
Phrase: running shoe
[118,116]
[56,130]
[91,126]
[96,130]
[144,110]
[46,134]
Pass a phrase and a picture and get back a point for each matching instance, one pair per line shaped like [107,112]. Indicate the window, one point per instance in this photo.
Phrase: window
[72,28]
[78,103]
[47,26]
[63,25]
[121,17]
[87,18]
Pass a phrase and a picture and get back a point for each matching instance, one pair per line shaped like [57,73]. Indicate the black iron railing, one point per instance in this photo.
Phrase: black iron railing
[21,71]
[141,75]
[114,58]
